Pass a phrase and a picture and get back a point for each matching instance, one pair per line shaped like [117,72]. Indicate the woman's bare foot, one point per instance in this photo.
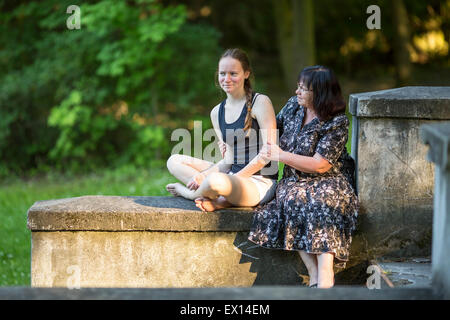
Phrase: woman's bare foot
[208,205]
[172,188]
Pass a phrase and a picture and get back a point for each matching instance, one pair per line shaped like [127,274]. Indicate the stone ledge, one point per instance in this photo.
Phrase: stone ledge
[116,213]
[251,293]
[437,137]
[407,102]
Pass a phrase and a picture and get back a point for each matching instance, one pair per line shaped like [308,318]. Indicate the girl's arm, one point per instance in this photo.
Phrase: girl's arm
[222,165]
[265,115]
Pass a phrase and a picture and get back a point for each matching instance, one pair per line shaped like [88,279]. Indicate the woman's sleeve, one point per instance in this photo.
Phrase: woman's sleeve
[279,119]
[281,116]
[334,135]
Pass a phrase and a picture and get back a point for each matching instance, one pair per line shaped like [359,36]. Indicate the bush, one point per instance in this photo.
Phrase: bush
[106,94]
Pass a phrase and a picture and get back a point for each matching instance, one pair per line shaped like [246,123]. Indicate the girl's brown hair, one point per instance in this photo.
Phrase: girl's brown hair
[242,57]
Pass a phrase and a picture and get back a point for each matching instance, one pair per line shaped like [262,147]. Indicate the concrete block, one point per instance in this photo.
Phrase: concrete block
[437,137]
[394,181]
[107,241]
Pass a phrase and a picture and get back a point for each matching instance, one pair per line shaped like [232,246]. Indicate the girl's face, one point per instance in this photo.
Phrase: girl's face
[304,95]
[231,75]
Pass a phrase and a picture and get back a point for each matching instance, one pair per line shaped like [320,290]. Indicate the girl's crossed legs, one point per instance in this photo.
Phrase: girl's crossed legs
[218,190]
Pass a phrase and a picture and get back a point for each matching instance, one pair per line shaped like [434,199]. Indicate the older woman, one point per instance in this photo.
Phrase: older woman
[315,208]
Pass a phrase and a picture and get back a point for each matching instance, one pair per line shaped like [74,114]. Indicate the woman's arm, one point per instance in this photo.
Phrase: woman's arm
[327,151]
[265,115]
[314,164]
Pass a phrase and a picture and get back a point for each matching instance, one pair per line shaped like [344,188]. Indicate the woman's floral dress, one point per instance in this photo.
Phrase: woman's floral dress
[311,211]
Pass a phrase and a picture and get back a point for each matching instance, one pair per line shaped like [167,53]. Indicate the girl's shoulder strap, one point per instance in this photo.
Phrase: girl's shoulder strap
[221,116]
[255,95]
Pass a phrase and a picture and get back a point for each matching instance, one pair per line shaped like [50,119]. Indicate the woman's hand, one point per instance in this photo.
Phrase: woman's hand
[271,152]
[196,181]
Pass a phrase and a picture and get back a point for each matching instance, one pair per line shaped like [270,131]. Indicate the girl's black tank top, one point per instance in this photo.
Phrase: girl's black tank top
[245,148]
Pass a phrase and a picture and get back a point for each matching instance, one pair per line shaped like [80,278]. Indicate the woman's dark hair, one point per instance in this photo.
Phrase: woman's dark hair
[327,95]
[242,57]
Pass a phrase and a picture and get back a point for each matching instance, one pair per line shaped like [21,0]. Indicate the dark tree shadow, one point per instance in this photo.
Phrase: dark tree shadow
[168,202]
[272,266]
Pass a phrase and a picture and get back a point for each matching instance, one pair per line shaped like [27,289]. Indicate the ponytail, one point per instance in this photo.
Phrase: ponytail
[248,95]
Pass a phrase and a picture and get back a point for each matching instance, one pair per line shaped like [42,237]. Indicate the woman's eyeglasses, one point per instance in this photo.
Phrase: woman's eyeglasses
[301,88]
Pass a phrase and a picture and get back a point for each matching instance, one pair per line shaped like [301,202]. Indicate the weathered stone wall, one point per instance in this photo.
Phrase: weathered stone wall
[395,181]
[110,241]
[157,259]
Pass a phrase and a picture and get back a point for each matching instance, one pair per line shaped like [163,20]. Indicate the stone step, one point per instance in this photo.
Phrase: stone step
[245,293]
[411,273]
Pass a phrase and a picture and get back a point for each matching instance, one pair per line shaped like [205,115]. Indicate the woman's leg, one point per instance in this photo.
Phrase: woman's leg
[325,268]
[310,261]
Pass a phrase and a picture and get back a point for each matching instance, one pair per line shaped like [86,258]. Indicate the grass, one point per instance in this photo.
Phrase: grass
[17,196]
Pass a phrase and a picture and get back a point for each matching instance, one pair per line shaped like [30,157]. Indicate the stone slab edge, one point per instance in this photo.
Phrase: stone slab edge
[408,102]
[114,213]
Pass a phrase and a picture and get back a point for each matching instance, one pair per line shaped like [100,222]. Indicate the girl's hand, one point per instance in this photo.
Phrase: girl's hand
[270,152]
[196,181]
[222,148]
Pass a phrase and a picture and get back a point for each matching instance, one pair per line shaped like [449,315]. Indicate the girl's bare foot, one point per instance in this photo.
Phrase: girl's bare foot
[208,205]
[172,188]
[179,190]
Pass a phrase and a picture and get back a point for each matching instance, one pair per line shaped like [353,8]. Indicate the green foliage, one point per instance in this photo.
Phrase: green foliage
[158,58]
[88,135]
[147,144]
[61,89]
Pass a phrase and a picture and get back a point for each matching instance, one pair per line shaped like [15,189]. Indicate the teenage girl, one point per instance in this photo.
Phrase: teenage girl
[244,123]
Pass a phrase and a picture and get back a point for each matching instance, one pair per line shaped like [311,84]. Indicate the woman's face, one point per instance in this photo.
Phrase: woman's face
[231,75]
[304,95]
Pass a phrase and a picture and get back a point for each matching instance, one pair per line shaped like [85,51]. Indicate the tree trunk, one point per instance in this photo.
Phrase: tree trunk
[296,42]
[401,42]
